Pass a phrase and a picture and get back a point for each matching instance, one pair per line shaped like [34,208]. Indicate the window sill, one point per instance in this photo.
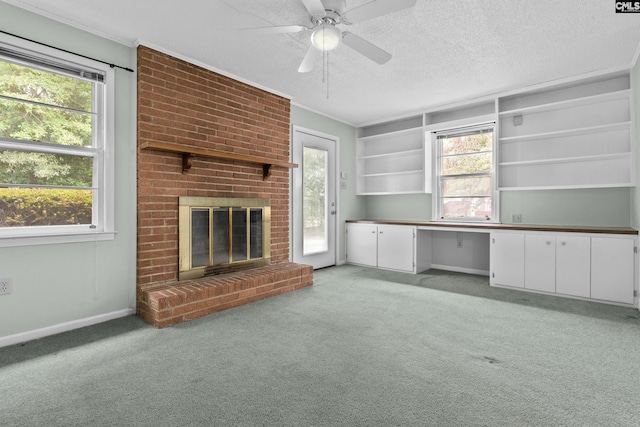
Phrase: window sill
[43,239]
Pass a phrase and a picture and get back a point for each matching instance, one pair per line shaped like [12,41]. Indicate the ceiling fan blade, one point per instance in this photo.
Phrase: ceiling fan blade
[274,30]
[377,8]
[309,60]
[315,7]
[365,48]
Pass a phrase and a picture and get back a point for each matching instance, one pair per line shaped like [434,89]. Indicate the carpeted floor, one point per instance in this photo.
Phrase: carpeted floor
[362,347]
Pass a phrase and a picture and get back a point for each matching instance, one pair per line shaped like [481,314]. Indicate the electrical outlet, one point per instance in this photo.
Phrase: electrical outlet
[516,218]
[517,120]
[6,287]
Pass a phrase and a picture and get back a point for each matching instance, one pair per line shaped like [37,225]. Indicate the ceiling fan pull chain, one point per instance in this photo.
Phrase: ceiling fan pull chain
[327,75]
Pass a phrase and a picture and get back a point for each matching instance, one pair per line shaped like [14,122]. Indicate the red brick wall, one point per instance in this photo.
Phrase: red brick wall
[182,103]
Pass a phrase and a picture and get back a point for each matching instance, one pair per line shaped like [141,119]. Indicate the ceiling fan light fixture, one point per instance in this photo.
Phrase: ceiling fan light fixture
[326,37]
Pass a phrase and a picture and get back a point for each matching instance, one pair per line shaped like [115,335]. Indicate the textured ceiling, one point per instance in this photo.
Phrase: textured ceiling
[443,51]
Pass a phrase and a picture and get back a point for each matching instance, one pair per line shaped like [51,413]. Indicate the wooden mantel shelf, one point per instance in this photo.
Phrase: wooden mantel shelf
[188,152]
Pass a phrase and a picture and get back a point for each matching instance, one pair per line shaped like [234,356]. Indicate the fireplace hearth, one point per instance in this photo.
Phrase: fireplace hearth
[221,235]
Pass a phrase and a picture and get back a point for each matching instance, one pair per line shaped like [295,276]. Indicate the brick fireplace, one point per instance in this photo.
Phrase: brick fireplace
[183,105]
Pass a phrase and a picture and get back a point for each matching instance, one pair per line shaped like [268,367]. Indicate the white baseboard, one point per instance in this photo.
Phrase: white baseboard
[63,327]
[460,269]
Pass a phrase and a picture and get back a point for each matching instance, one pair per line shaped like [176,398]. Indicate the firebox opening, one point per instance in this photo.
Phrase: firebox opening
[219,235]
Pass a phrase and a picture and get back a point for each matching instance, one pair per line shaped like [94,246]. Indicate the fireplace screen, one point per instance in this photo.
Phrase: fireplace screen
[222,234]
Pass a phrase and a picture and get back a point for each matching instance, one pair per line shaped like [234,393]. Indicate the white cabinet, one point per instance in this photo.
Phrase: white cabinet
[392,247]
[362,244]
[393,163]
[507,259]
[572,264]
[612,261]
[557,263]
[573,256]
[540,262]
[572,136]
[396,247]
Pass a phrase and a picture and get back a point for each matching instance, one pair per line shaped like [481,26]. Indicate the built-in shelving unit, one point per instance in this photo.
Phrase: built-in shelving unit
[391,159]
[573,136]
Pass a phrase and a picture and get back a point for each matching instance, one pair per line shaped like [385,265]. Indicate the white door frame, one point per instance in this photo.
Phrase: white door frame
[296,230]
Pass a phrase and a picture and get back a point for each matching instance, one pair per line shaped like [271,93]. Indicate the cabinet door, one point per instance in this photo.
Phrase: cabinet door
[507,259]
[540,262]
[572,265]
[612,267]
[396,247]
[362,246]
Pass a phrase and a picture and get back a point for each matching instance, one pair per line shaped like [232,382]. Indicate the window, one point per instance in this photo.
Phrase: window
[465,174]
[55,145]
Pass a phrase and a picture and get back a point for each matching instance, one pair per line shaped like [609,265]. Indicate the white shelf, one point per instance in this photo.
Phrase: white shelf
[391,134]
[568,103]
[383,193]
[418,151]
[590,172]
[567,160]
[568,132]
[408,172]
[564,187]
[391,163]
[577,135]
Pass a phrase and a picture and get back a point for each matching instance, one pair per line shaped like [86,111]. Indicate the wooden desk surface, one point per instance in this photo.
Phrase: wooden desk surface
[487,227]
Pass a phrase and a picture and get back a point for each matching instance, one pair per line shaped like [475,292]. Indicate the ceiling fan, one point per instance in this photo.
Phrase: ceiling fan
[325,34]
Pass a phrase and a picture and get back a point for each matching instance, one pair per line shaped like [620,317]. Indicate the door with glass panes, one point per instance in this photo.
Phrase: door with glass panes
[315,208]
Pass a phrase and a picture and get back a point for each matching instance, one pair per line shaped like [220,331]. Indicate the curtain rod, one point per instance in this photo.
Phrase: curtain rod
[68,51]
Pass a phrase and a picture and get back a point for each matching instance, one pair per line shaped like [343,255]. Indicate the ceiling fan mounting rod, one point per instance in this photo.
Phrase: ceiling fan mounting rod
[331,17]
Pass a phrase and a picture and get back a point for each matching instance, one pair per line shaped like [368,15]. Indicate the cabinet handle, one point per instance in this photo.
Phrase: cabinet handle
[564,243]
[373,232]
[548,242]
[493,240]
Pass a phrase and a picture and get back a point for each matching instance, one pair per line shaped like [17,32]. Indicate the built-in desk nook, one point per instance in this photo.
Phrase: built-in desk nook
[594,263]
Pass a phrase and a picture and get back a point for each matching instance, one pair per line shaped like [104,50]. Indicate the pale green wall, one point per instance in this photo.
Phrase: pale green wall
[413,207]
[635,193]
[54,284]
[350,206]
[606,207]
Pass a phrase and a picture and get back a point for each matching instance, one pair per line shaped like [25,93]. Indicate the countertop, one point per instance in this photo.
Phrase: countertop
[479,226]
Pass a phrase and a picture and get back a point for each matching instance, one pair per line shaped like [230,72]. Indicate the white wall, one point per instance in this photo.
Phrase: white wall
[70,283]
[350,206]
[471,255]
[635,192]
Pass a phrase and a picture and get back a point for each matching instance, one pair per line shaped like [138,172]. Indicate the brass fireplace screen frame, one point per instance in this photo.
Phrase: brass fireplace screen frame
[185,209]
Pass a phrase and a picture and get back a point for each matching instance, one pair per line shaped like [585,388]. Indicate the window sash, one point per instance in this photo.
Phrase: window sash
[25,53]
[444,180]
[466,131]
[44,104]
[441,178]
[44,62]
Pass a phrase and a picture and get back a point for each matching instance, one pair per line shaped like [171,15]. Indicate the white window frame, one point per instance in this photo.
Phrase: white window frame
[437,174]
[102,151]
